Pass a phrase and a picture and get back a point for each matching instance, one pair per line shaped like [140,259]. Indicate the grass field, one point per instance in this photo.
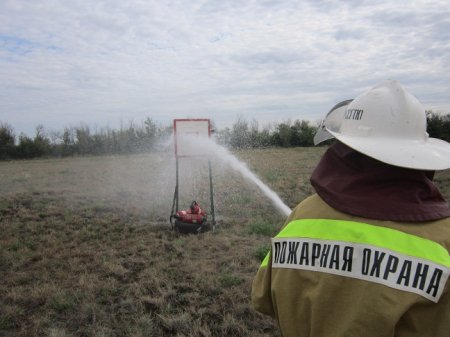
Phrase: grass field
[86,248]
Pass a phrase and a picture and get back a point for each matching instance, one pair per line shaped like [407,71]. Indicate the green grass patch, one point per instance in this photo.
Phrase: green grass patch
[241,199]
[4,205]
[261,227]
[273,176]
[227,279]
[261,252]
[10,317]
[62,302]
[21,244]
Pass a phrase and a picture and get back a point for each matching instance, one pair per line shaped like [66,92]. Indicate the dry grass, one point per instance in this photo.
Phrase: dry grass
[86,248]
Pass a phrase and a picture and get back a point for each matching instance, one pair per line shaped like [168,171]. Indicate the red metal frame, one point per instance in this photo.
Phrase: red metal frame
[188,120]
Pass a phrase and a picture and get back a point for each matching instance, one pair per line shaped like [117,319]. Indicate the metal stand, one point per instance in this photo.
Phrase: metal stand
[211,195]
[176,194]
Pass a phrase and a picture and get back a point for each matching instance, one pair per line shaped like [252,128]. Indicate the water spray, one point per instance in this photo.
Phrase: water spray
[212,149]
[192,138]
[194,219]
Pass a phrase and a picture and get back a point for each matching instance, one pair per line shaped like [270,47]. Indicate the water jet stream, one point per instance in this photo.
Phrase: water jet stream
[208,147]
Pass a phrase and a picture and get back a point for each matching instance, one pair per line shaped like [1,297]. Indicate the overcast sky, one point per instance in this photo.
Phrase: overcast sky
[107,62]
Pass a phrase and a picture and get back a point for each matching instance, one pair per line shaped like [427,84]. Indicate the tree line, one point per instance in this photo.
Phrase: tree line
[81,140]
[143,138]
[244,134]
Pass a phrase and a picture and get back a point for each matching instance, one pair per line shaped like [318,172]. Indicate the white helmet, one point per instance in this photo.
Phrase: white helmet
[389,124]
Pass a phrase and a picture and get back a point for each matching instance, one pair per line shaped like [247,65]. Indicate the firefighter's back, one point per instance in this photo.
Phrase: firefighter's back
[326,287]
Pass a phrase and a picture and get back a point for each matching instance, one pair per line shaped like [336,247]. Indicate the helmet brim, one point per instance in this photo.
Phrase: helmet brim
[432,154]
[332,121]
[322,134]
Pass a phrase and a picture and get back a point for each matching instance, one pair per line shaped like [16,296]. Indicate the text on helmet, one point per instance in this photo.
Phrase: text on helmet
[354,114]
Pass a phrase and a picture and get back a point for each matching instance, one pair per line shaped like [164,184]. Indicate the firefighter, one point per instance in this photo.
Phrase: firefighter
[368,254]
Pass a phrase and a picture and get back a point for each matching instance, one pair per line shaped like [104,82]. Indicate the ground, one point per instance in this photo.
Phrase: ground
[86,248]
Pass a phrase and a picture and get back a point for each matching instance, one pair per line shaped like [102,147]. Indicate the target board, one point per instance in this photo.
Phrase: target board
[185,133]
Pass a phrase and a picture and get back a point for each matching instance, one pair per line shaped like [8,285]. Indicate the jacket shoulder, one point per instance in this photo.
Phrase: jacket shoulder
[314,207]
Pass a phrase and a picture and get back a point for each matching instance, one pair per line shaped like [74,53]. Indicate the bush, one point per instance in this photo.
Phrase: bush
[6,141]
[438,126]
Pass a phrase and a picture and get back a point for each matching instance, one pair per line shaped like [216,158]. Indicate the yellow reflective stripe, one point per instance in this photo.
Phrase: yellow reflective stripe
[266,260]
[358,232]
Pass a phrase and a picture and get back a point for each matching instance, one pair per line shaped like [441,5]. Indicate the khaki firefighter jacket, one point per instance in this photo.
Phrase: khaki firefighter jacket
[330,274]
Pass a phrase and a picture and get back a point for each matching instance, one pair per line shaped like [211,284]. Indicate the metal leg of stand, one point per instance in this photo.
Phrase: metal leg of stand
[177,177]
[211,194]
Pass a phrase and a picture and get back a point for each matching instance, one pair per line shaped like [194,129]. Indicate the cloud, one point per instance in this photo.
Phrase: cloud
[105,62]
